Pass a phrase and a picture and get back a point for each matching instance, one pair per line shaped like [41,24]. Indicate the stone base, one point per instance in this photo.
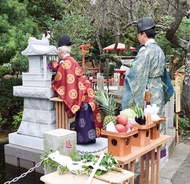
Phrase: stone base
[24,154]
[23,157]
[170,145]
[26,141]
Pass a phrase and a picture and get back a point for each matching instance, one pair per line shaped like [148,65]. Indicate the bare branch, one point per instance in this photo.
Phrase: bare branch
[164,28]
[170,34]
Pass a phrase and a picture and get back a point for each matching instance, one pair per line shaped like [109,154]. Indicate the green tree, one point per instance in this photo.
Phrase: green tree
[16,26]
[56,18]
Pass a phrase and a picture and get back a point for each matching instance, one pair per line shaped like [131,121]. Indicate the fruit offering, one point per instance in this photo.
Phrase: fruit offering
[107,105]
[123,125]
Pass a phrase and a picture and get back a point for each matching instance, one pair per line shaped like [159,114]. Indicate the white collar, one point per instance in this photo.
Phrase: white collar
[61,61]
[151,40]
[66,55]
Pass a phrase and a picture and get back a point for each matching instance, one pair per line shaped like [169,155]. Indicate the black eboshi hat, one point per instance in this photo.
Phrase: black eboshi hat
[64,41]
[144,24]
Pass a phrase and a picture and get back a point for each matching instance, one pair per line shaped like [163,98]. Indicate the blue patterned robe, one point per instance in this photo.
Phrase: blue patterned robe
[145,73]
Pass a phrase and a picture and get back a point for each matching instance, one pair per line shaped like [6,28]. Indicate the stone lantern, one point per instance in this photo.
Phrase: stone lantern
[39,111]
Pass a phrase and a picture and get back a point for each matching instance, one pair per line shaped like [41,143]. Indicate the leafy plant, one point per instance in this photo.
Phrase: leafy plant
[17,119]
[139,111]
[184,27]
[2,121]
[107,163]
[9,104]
[5,69]
[183,125]
[46,161]
[107,106]
[140,118]
[19,63]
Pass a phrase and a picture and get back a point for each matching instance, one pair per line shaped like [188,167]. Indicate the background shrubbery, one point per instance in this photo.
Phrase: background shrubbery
[5,69]
[9,104]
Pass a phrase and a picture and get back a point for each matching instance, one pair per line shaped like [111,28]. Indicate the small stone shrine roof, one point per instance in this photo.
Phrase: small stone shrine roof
[39,47]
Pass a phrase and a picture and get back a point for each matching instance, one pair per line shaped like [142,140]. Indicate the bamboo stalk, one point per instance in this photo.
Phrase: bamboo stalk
[90,178]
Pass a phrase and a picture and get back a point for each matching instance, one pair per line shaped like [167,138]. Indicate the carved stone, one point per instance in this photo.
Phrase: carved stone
[39,111]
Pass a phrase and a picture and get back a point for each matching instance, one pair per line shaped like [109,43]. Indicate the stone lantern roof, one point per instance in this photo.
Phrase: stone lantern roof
[39,47]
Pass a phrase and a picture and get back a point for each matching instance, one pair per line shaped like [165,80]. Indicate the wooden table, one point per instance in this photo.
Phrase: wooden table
[61,115]
[143,154]
[69,178]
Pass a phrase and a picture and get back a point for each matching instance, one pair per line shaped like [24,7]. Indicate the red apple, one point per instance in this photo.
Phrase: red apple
[120,128]
[122,119]
[129,127]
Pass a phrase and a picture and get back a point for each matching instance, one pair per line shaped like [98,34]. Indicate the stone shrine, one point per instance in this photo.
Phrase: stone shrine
[39,111]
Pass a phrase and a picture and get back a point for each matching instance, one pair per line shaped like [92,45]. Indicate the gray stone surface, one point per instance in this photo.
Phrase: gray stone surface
[176,170]
[183,173]
[60,140]
[26,164]
[172,142]
[169,113]
[33,92]
[12,160]
[23,157]
[23,152]
[32,142]
[39,111]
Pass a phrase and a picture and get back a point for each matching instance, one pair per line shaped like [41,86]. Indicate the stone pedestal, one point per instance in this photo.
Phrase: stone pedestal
[39,111]
[169,113]
[60,140]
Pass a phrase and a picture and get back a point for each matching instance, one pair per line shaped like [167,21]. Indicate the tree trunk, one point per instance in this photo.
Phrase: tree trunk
[185,45]
[186,86]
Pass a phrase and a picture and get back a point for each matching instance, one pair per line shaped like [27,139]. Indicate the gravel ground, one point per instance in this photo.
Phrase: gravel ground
[184,139]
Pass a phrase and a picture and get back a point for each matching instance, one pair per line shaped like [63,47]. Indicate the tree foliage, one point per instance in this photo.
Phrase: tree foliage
[16,26]
[120,16]
[9,105]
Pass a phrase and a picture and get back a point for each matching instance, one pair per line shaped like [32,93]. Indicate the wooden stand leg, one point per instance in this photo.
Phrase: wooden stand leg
[66,121]
[132,169]
[152,166]
[126,167]
[60,115]
[57,114]
[142,170]
[147,168]
[158,165]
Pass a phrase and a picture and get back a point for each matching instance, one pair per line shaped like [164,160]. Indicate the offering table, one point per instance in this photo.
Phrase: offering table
[143,154]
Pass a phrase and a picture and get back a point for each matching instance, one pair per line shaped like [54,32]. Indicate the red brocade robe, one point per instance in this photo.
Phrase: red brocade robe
[72,86]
